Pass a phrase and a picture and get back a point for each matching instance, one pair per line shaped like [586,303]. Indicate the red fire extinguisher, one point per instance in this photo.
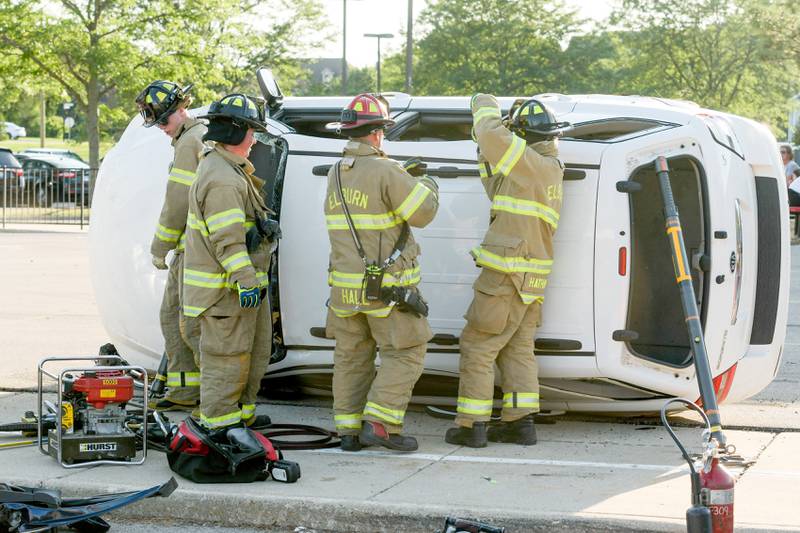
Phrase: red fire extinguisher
[712,484]
[716,491]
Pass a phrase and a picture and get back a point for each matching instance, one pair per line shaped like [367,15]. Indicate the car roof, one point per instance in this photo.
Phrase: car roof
[60,161]
[48,151]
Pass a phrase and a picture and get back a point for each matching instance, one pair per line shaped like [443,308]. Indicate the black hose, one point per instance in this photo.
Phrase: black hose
[27,426]
[327,439]
[672,434]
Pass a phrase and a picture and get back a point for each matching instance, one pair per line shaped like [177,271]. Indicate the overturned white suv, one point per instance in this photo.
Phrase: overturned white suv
[613,336]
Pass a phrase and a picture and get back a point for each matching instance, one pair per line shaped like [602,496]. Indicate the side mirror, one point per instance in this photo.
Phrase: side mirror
[270,89]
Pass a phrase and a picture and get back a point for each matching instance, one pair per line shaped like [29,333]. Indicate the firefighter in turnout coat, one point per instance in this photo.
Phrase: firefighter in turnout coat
[226,271]
[520,170]
[374,302]
[163,104]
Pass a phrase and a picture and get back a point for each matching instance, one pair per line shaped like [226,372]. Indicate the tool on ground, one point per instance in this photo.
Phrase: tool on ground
[712,485]
[92,424]
[461,525]
[28,509]
[695,327]
[226,455]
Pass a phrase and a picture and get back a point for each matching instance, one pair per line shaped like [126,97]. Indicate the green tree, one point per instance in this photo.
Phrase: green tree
[105,50]
[501,46]
[714,52]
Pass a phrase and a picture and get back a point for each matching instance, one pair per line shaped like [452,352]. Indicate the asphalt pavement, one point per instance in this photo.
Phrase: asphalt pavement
[586,473]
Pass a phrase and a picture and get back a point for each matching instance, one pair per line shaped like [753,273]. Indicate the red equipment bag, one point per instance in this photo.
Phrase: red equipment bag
[239,456]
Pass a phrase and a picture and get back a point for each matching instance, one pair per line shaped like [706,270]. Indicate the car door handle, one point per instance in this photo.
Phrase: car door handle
[573,174]
[321,170]
[444,339]
[557,344]
[318,332]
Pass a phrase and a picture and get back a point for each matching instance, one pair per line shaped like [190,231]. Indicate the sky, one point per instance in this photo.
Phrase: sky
[391,18]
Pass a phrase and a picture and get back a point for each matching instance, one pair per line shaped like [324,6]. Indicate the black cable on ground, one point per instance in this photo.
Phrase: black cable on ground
[25,426]
[327,439]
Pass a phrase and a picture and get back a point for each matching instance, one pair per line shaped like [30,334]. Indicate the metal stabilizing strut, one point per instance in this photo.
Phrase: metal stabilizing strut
[690,312]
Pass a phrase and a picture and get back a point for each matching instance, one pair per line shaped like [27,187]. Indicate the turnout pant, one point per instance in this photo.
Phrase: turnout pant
[500,329]
[361,392]
[180,339]
[235,346]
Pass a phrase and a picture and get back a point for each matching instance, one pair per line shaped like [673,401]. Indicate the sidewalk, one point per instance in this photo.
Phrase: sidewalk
[582,476]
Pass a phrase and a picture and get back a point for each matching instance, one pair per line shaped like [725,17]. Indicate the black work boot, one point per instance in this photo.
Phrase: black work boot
[522,431]
[257,421]
[350,443]
[474,437]
[375,433]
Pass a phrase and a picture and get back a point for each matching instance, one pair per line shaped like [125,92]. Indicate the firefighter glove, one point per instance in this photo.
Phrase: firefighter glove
[249,298]
[415,167]
[160,262]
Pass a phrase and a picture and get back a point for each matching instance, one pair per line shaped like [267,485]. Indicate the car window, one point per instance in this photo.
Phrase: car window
[312,122]
[7,159]
[433,126]
[614,129]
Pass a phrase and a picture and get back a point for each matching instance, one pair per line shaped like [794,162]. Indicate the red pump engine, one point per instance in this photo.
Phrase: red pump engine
[104,387]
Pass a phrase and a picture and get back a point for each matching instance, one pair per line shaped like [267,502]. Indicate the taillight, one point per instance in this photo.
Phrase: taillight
[722,385]
[623,261]
[19,172]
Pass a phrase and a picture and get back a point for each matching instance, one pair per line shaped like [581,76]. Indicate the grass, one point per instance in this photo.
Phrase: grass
[68,213]
[80,148]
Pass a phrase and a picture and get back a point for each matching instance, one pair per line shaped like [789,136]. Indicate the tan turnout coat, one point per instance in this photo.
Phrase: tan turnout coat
[381,196]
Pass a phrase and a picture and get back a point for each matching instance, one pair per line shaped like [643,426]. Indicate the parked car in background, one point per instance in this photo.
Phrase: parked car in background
[12,179]
[60,152]
[55,179]
[13,131]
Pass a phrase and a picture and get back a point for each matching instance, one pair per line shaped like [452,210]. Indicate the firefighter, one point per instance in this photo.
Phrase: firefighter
[373,274]
[520,170]
[227,264]
[163,104]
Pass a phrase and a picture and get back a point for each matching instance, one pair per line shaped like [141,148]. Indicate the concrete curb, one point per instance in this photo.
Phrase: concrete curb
[267,508]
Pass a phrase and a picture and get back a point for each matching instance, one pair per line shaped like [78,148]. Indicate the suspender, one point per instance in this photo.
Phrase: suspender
[399,246]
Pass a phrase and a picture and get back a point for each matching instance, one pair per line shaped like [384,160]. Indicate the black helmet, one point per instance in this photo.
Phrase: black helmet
[532,120]
[159,100]
[239,109]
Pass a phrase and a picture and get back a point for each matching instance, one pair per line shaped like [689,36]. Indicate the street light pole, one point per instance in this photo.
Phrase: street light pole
[409,45]
[344,47]
[379,36]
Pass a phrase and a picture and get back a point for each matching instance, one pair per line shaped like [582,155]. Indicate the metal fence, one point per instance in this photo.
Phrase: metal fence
[45,195]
